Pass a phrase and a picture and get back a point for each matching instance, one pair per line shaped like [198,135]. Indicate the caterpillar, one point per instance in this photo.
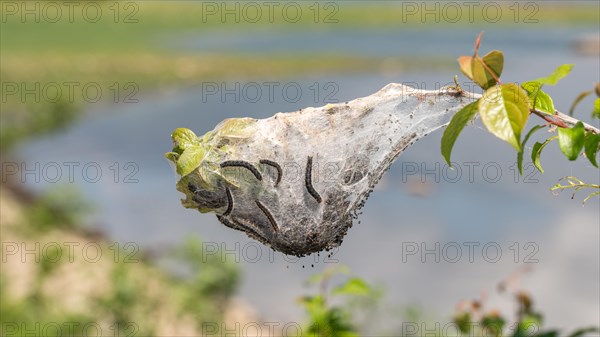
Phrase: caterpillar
[243,164]
[242,227]
[229,202]
[308,181]
[268,214]
[276,166]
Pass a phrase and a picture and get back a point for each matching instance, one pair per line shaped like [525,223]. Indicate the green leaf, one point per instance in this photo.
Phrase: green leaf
[494,61]
[172,156]
[596,111]
[354,286]
[583,331]
[537,152]
[466,66]
[464,322]
[532,87]
[592,141]
[543,102]
[236,128]
[493,324]
[529,323]
[504,111]
[540,100]
[457,124]
[571,140]
[478,68]
[551,333]
[557,75]
[315,305]
[183,138]
[577,100]
[520,154]
[190,159]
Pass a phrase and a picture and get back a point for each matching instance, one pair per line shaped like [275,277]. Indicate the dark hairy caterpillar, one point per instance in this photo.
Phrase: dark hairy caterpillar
[241,163]
[308,181]
[229,202]
[234,224]
[268,214]
[276,166]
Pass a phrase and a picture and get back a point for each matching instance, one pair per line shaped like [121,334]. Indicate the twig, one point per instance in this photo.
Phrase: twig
[549,119]
[570,121]
[558,118]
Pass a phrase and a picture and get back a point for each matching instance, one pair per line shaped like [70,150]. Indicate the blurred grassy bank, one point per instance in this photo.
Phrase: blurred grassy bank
[60,279]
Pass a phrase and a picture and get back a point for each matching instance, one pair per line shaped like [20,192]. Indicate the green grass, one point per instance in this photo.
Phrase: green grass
[136,27]
[121,289]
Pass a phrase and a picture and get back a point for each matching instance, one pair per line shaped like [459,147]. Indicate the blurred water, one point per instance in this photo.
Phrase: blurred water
[564,236]
[413,41]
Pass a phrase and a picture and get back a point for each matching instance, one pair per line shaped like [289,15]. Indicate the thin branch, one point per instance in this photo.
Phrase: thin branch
[570,121]
[549,118]
[559,119]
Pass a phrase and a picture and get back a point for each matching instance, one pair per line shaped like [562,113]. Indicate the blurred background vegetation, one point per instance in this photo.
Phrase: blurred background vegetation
[128,43]
[127,292]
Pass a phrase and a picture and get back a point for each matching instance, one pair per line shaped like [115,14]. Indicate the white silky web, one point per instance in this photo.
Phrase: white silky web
[328,160]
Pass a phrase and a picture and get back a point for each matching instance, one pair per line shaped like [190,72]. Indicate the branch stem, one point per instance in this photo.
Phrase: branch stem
[570,121]
[558,118]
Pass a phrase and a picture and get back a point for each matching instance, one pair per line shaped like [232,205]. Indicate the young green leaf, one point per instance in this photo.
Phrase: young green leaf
[492,62]
[466,66]
[592,142]
[596,111]
[581,332]
[483,71]
[457,124]
[190,159]
[464,322]
[537,152]
[532,87]
[557,75]
[528,321]
[551,333]
[236,128]
[172,156]
[504,111]
[354,286]
[570,141]
[520,154]
[540,100]
[543,102]
[183,138]
[493,323]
